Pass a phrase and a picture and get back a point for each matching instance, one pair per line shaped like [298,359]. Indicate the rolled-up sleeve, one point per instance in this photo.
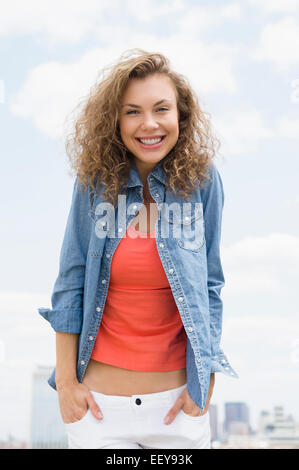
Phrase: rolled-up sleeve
[66,314]
[213,201]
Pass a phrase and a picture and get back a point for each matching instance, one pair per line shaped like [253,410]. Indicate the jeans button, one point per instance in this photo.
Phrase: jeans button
[138,401]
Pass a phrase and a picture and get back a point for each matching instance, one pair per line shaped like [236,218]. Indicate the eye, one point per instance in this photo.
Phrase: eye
[133,111]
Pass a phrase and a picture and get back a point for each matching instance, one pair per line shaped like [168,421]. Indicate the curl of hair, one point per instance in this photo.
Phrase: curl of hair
[95,148]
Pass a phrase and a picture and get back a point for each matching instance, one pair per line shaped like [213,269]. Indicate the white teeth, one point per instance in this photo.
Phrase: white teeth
[151,141]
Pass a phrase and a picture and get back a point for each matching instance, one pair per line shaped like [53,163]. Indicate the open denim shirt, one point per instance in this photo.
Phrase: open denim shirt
[192,266]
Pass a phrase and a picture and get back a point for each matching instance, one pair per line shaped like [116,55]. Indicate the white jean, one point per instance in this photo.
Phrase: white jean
[130,423]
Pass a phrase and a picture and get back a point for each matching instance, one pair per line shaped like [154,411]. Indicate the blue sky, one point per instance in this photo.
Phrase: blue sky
[242,58]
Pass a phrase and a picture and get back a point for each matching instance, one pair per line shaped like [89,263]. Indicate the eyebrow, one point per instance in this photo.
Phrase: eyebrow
[136,106]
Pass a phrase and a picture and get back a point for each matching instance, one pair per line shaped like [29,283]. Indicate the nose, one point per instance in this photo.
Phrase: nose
[149,122]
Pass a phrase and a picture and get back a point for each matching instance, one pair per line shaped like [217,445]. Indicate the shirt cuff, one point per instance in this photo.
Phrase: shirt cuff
[63,320]
[220,363]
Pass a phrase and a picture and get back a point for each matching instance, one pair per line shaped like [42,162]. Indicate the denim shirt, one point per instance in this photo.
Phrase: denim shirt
[188,243]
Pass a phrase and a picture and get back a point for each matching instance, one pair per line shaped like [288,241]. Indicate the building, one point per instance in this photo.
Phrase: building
[13,443]
[47,430]
[236,420]
[275,429]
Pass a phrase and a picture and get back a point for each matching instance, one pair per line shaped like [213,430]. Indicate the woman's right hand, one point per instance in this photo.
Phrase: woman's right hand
[74,400]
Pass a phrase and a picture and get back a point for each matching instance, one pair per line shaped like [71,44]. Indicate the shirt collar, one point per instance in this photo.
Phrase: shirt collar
[135,180]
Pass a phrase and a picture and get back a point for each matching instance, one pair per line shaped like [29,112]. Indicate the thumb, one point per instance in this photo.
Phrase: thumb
[173,411]
[94,407]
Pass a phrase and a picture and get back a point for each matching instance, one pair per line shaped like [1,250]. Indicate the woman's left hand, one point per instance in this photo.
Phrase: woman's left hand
[185,402]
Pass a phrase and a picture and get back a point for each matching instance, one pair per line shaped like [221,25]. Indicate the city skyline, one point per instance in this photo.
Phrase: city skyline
[47,429]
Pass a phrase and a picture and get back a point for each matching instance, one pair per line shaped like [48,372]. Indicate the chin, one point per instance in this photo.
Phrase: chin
[150,159]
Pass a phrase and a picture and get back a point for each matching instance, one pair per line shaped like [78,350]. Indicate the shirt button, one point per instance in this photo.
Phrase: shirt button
[120,229]
[161,245]
[82,363]
[90,338]
[180,299]
[157,194]
[104,281]
[98,309]
[108,256]
[190,328]
[198,359]
[135,207]
[170,271]
[186,218]
[151,178]
[223,361]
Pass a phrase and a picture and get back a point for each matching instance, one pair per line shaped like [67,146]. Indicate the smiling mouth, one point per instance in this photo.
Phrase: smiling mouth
[151,141]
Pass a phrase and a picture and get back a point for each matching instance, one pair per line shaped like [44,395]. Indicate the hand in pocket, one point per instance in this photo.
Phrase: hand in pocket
[74,400]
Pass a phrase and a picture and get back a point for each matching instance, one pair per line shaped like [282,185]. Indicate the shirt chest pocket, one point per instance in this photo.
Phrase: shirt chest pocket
[186,226]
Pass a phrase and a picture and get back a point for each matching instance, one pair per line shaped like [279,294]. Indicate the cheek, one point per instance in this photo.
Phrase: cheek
[124,130]
[127,129]
[174,128]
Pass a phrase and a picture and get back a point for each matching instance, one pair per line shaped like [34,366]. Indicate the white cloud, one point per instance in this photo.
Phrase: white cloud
[276,6]
[261,265]
[241,131]
[199,18]
[292,202]
[231,11]
[288,128]
[53,89]
[279,43]
[275,336]
[73,20]
[69,20]
[149,10]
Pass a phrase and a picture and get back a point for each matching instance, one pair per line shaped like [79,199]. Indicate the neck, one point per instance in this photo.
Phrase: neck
[144,169]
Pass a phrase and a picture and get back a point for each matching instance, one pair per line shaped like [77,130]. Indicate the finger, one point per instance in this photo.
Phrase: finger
[94,407]
[174,410]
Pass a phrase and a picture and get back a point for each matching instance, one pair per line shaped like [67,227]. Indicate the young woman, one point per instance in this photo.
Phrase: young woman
[136,305]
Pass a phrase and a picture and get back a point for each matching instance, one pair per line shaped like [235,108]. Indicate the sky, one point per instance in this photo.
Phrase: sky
[242,59]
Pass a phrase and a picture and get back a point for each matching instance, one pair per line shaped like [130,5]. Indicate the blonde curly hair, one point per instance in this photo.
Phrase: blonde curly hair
[95,147]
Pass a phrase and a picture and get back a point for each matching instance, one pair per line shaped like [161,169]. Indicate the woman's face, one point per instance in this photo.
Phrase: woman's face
[148,121]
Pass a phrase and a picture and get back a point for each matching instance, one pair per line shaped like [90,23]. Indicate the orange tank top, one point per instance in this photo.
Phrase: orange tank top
[141,327]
